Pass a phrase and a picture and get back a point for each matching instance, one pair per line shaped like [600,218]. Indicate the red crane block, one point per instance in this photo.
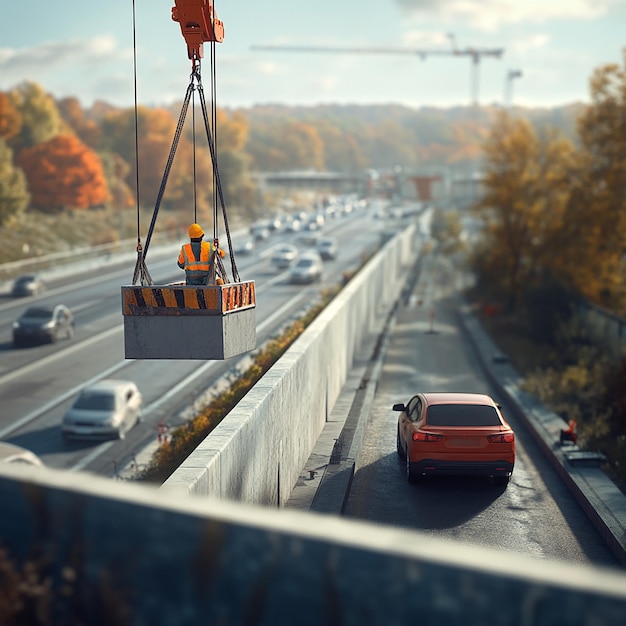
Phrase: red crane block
[198,24]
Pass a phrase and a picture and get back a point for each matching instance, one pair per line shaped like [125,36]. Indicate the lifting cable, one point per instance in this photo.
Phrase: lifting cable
[195,82]
[141,270]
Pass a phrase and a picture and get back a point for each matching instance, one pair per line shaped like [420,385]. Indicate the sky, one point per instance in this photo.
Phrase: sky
[86,49]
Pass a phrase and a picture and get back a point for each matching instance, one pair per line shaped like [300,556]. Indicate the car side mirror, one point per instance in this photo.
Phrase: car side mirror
[398,407]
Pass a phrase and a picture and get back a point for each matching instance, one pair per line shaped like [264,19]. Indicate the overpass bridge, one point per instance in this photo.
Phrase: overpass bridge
[214,543]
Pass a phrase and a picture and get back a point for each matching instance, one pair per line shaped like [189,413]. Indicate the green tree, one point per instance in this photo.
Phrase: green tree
[446,229]
[14,196]
[41,120]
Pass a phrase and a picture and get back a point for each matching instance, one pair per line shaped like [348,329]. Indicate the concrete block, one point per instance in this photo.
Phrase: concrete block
[202,337]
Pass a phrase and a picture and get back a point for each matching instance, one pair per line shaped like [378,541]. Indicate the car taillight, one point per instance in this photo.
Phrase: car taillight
[420,436]
[501,438]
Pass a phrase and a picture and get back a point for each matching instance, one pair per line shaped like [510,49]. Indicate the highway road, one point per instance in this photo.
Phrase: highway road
[535,515]
[39,383]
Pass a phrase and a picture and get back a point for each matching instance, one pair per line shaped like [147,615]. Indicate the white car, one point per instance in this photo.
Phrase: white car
[283,256]
[10,453]
[244,247]
[307,269]
[106,409]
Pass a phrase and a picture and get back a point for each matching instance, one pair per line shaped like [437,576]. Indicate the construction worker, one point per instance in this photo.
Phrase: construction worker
[195,257]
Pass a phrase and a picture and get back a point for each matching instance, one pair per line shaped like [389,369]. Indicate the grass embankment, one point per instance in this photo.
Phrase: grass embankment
[33,235]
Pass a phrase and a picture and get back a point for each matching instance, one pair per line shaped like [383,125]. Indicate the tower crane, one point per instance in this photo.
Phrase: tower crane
[475,54]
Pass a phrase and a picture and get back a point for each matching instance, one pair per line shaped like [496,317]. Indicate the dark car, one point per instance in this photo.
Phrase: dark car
[41,324]
[28,285]
[327,248]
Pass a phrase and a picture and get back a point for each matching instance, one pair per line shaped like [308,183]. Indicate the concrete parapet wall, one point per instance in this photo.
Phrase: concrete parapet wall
[256,454]
[121,553]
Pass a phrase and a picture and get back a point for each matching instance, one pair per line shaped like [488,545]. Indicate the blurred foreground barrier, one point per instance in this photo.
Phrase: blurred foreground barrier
[118,553]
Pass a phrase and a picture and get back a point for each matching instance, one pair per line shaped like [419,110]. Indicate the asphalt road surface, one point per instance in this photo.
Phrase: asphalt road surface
[535,515]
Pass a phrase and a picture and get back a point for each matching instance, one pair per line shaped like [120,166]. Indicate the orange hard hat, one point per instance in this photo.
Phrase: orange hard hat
[195,231]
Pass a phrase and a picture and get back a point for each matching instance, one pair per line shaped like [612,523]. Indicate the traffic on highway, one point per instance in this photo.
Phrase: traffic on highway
[41,380]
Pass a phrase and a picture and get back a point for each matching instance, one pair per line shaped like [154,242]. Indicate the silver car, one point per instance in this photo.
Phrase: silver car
[106,409]
[307,269]
[283,256]
[327,248]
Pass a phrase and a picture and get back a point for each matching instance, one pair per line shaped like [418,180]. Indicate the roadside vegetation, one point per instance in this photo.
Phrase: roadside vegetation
[552,224]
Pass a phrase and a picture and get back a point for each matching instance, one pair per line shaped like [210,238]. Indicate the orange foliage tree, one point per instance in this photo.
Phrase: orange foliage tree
[10,118]
[73,114]
[64,173]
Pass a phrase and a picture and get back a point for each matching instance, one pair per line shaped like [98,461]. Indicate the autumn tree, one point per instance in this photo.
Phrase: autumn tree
[41,120]
[10,118]
[447,229]
[73,114]
[601,212]
[63,173]
[14,196]
[155,130]
[527,191]
[341,148]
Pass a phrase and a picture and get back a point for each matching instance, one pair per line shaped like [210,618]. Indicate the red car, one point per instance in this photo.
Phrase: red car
[455,433]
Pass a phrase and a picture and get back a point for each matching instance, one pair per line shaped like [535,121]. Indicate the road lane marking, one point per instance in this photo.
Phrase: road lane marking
[60,399]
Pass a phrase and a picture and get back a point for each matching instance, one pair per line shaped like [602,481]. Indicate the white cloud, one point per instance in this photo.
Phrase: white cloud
[18,63]
[534,42]
[488,15]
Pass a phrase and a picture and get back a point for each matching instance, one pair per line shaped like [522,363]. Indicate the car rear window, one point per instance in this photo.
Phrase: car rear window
[462,415]
[95,401]
[37,313]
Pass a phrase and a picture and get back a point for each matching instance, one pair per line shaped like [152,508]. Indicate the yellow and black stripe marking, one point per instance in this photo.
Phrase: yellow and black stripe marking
[188,300]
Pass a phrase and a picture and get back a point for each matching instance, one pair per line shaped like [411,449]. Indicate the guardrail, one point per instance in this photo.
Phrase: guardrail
[38,264]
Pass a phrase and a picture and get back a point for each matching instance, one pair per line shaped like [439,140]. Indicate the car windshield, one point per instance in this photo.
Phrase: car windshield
[40,313]
[462,415]
[305,262]
[95,401]
[24,279]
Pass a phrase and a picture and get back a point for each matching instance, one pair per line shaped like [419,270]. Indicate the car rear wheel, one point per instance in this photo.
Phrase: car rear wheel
[411,475]
[399,446]
[501,481]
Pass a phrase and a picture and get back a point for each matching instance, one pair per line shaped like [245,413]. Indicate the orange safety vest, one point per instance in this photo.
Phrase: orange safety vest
[193,267]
